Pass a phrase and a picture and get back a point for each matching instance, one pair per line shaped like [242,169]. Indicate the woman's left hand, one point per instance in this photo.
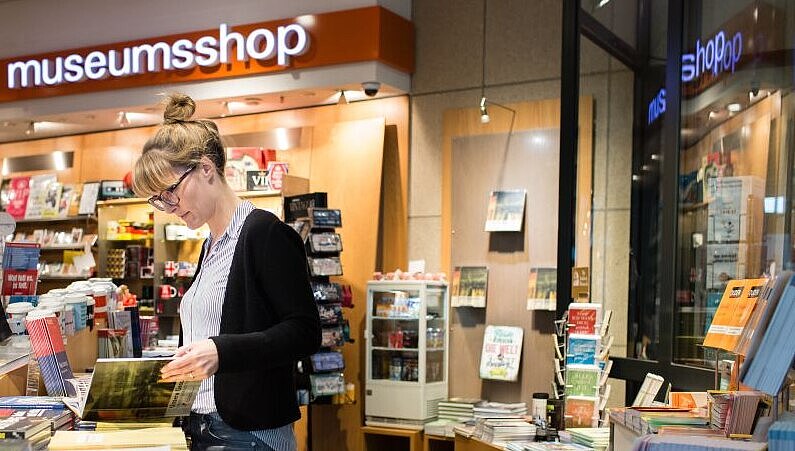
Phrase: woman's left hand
[194,362]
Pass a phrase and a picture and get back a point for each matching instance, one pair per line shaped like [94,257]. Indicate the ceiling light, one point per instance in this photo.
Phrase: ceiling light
[342,100]
[734,107]
[484,114]
[31,128]
[225,109]
[122,118]
[602,3]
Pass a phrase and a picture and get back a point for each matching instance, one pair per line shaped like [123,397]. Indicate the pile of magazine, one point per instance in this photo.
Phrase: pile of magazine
[500,430]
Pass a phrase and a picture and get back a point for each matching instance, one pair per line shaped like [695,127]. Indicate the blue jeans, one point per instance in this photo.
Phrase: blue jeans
[210,433]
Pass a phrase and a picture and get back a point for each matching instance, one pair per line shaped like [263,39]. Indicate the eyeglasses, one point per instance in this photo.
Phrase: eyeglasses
[167,198]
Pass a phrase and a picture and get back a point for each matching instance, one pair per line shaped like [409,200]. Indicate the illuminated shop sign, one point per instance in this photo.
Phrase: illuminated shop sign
[656,106]
[224,47]
[716,56]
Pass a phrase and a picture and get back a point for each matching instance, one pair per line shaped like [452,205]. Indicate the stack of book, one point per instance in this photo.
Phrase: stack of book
[781,434]
[499,409]
[545,446]
[734,412]
[505,429]
[688,443]
[767,365]
[458,409]
[594,438]
[48,408]
[35,432]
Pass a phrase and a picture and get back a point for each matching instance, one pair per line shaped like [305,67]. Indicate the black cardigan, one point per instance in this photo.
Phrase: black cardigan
[269,320]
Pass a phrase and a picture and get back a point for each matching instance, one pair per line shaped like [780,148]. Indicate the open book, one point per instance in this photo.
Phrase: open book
[130,389]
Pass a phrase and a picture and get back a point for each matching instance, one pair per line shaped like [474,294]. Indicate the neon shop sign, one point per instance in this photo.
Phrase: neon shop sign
[716,56]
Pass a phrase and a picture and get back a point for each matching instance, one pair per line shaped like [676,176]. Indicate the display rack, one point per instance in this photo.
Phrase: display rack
[582,366]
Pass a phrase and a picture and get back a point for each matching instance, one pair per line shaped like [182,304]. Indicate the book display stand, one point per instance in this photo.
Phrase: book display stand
[582,366]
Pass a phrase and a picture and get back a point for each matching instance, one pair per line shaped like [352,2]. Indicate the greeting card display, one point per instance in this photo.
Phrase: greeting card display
[584,318]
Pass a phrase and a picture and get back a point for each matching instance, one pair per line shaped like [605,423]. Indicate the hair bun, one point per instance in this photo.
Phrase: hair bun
[179,107]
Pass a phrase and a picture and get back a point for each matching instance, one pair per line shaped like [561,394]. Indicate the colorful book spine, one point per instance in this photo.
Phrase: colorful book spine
[47,344]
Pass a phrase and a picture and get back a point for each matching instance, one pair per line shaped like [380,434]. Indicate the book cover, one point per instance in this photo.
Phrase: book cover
[582,349]
[584,318]
[759,321]
[126,389]
[67,198]
[502,352]
[506,211]
[470,284]
[47,343]
[32,402]
[40,199]
[582,381]
[19,282]
[296,207]
[743,309]
[580,412]
[722,318]
[541,289]
[18,193]
[580,284]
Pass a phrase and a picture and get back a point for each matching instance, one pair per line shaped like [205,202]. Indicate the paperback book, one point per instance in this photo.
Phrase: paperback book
[470,284]
[582,381]
[130,389]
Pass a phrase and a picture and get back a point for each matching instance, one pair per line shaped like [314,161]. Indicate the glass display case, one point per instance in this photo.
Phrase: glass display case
[407,346]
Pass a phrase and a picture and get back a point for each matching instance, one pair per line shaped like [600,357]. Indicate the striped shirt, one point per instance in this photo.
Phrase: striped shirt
[200,315]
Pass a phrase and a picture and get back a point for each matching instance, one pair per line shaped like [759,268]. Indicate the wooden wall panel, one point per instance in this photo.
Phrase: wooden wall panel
[341,151]
[464,184]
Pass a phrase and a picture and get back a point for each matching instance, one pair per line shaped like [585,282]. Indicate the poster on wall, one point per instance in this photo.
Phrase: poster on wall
[502,352]
[470,284]
[17,194]
[506,211]
[45,193]
[541,289]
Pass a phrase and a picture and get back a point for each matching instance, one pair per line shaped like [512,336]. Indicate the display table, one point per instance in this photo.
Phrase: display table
[621,437]
[379,438]
[472,444]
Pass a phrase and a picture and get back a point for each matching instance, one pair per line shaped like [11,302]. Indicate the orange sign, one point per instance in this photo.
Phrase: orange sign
[358,35]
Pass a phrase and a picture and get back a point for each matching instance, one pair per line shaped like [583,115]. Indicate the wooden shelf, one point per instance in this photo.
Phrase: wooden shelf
[63,247]
[141,200]
[64,277]
[66,219]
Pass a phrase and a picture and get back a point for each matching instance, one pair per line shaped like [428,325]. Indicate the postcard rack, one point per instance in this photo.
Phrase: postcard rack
[582,364]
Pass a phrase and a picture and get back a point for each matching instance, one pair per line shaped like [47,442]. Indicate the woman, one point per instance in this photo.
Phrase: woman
[250,313]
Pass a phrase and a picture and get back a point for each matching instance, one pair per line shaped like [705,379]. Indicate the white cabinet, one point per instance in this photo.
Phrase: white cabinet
[407,349]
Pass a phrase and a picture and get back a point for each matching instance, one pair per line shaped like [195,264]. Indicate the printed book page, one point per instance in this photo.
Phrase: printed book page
[130,389]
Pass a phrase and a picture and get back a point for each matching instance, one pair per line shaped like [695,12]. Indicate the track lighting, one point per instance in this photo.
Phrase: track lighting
[342,100]
[225,109]
[484,114]
[31,128]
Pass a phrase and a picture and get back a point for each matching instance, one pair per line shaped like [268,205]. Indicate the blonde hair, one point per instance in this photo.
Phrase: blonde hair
[179,143]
